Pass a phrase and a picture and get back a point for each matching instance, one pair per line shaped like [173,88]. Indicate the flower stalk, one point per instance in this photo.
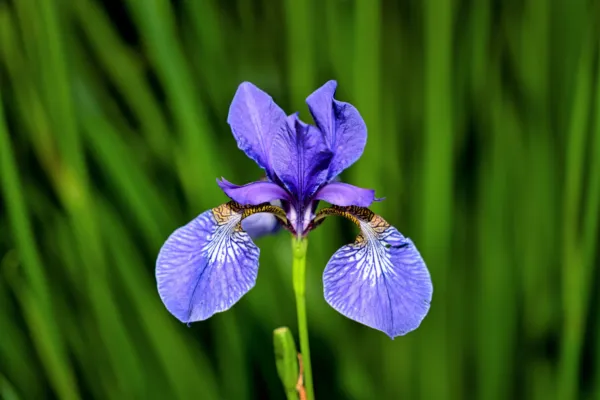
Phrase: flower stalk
[299,279]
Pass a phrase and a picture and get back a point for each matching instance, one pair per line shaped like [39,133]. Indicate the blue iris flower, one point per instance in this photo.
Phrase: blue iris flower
[206,266]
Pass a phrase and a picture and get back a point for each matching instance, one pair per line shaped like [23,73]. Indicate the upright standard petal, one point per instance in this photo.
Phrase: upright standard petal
[344,194]
[380,280]
[253,193]
[207,265]
[342,126]
[300,158]
[255,119]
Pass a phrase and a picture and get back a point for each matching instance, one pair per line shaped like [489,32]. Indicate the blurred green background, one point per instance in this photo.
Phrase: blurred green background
[484,137]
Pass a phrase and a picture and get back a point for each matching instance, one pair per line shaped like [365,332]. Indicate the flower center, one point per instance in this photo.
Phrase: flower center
[300,216]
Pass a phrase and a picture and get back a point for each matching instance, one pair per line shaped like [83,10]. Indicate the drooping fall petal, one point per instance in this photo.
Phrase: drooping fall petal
[380,280]
[206,266]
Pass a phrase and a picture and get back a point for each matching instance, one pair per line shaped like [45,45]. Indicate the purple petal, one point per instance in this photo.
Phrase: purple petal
[344,194]
[261,224]
[253,193]
[380,281]
[300,158]
[255,119]
[206,266]
[342,126]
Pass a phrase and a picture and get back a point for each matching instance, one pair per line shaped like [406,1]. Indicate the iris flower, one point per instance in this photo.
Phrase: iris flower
[206,266]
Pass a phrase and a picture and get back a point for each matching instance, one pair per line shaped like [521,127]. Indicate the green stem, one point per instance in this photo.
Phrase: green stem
[299,277]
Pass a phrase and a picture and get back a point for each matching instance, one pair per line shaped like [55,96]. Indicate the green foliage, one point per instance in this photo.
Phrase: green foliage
[484,137]
[286,360]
